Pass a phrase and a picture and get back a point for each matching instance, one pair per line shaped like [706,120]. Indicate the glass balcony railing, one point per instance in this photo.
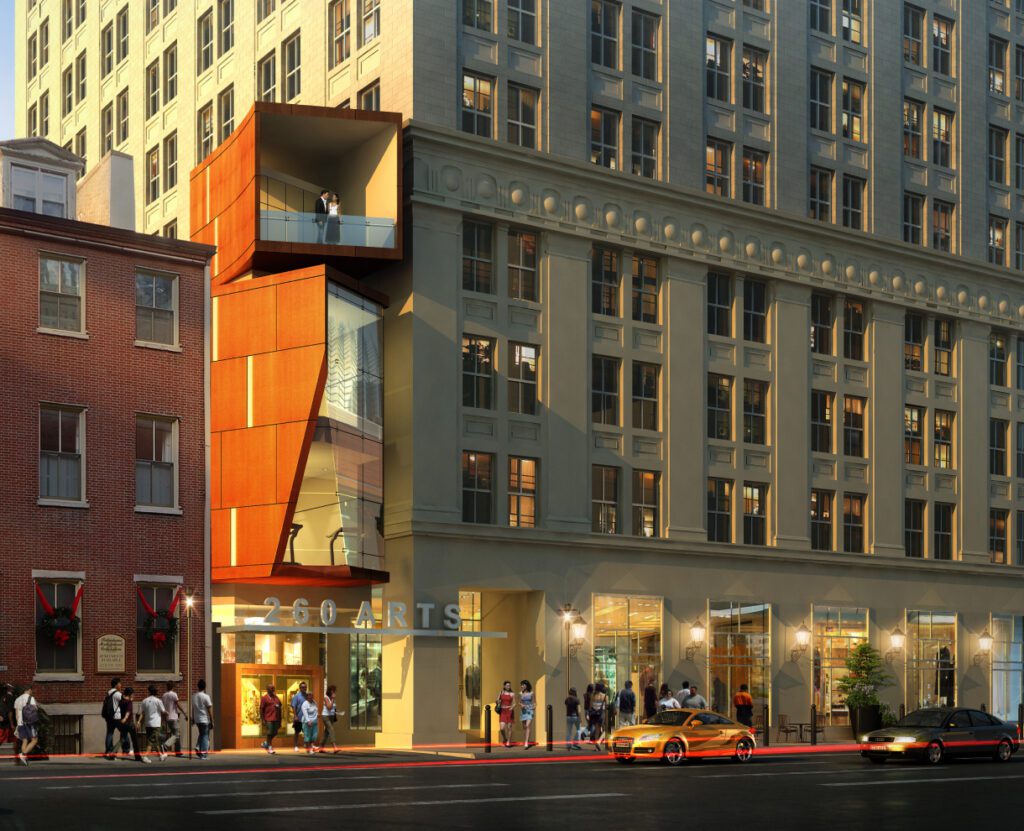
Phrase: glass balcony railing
[324,229]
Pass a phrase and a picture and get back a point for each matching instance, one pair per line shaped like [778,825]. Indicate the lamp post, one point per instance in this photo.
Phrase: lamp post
[575,635]
[190,601]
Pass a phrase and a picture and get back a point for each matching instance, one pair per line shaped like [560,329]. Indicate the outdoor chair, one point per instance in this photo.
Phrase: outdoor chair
[785,728]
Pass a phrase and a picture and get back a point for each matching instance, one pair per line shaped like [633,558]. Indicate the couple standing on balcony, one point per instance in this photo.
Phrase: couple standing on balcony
[327,217]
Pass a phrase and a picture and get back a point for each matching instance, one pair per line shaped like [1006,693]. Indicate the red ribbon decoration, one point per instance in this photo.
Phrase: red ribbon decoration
[174,603]
[149,609]
[45,603]
[77,600]
[61,637]
[159,640]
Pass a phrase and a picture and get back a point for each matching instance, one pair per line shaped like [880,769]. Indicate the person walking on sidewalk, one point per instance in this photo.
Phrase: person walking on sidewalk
[744,704]
[202,716]
[650,702]
[8,720]
[505,706]
[330,717]
[666,701]
[128,731]
[310,720]
[684,692]
[527,709]
[111,713]
[296,707]
[270,713]
[153,715]
[696,701]
[26,713]
[572,721]
[170,700]
[595,715]
[626,705]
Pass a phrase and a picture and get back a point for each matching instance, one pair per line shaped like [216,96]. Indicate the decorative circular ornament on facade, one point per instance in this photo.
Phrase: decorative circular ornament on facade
[1004,306]
[851,272]
[612,217]
[941,292]
[897,282]
[983,301]
[582,211]
[725,243]
[874,277]
[486,188]
[1020,310]
[697,237]
[642,225]
[962,297]
[671,229]
[920,288]
[550,202]
[778,254]
[827,266]
[451,178]
[803,260]
[518,195]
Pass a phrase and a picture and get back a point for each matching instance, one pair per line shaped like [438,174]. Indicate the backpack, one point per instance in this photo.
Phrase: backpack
[107,713]
[30,713]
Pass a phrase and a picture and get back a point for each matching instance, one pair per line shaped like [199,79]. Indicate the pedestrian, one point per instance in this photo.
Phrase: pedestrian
[129,735]
[310,719]
[527,709]
[650,702]
[153,715]
[111,713]
[744,704]
[26,714]
[320,215]
[330,717]
[572,720]
[505,706]
[595,715]
[296,703]
[8,719]
[170,700]
[270,713]
[626,705]
[684,692]
[202,717]
[695,701]
[666,701]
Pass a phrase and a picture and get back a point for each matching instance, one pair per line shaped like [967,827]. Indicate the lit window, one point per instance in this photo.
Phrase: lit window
[913,33]
[943,352]
[755,163]
[942,439]
[821,421]
[522,378]
[913,342]
[997,66]
[477,104]
[717,162]
[853,110]
[522,492]
[942,45]
[340,16]
[719,415]
[604,138]
[717,74]
[853,21]
[755,498]
[913,435]
[821,520]
[477,372]
[646,491]
[912,128]
[997,240]
[371,20]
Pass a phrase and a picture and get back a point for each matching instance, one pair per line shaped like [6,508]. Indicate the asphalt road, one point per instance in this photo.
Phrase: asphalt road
[381,792]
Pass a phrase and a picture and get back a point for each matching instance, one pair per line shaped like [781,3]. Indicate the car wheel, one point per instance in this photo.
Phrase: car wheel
[1004,751]
[744,750]
[674,753]
[934,753]
[625,759]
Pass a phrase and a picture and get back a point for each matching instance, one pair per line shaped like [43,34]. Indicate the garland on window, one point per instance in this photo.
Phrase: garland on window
[61,623]
[160,625]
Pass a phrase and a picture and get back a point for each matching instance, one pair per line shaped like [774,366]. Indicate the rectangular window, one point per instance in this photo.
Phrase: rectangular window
[942,137]
[225,26]
[37,191]
[151,658]
[604,281]
[1018,161]
[913,528]
[107,50]
[719,510]
[522,492]
[853,202]
[522,116]
[718,65]
[719,417]
[853,426]
[155,460]
[171,230]
[821,100]
[1018,72]
[853,110]
[821,16]
[821,421]
[152,89]
[996,65]
[155,305]
[755,411]
[61,453]
[645,289]
[292,67]
[477,372]
[33,120]
[61,292]
[522,378]
[913,212]
[522,265]
[645,396]
[522,20]
[477,104]
[646,492]
[1019,470]
[942,439]
[913,33]
[997,447]
[821,520]
[369,98]
[819,194]
[477,257]
[853,21]
[942,524]
[998,360]
[755,163]
[997,155]
[719,312]
[204,133]
[997,520]
[80,79]
[717,162]
[821,324]
[645,147]
[853,330]
[44,114]
[371,20]
[854,508]
[943,346]
[80,145]
[152,15]
[604,390]
[912,112]
[266,78]
[107,129]
[913,342]
[913,435]
[942,225]
[942,45]
[51,657]
[122,34]
[604,33]
[204,45]
[997,240]
[755,62]
[645,45]
[122,116]
[340,17]
[755,512]
[477,487]
[755,311]
[67,20]
[604,499]
[1019,363]
[225,114]
[604,138]
[152,175]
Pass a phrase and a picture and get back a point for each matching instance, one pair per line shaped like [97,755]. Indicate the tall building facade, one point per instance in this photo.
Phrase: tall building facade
[707,329]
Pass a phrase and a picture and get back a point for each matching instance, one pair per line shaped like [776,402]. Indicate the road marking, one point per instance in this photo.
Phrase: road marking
[308,791]
[962,779]
[832,772]
[378,805]
[312,777]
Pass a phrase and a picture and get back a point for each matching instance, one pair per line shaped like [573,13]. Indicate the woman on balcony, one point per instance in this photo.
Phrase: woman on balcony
[333,221]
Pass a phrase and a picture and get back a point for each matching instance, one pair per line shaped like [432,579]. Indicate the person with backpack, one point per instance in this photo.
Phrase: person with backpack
[111,713]
[626,705]
[128,731]
[26,711]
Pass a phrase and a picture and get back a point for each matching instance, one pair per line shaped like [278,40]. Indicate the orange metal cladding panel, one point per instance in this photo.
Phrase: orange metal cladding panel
[259,535]
[216,468]
[249,472]
[286,385]
[293,441]
[247,322]
[229,395]
[220,538]
[197,203]
[302,312]
[236,234]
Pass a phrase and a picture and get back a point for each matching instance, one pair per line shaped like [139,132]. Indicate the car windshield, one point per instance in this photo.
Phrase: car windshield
[672,717]
[923,718]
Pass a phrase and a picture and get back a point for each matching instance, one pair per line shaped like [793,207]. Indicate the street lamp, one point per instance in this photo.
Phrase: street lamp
[575,635]
[896,641]
[984,646]
[190,602]
[697,634]
[803,640]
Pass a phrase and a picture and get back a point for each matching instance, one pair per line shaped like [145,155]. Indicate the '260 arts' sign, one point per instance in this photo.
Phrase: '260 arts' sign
[394,619]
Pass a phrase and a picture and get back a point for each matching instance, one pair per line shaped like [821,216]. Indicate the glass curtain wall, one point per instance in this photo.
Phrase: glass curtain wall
[931,659]
[627,641]
[740,652]
[1007,665]
[470,704]
[837,631]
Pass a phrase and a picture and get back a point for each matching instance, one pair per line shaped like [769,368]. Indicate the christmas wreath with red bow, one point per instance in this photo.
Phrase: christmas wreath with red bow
[61,623]
[160,625]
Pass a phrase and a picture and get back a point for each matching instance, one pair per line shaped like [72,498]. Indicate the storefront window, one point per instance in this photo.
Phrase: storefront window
[1007,665]
[837,630]
[627,641]
[740,652]
[365,682]
[931,659]
[469,663]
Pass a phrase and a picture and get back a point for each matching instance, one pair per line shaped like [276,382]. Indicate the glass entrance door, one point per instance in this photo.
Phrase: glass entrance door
[931,659]
[627,642]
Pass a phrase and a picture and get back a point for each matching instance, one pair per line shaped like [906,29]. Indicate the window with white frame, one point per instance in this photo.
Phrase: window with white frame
[155,308]
[264,8]
[996,65]
[604,33]
[266,78]
[107,50]
[369,97]
[156,627]
[107,129]
[155,461]
[152,175]
[33,56]
[645,147]
[997,240]
[604,137]
[122,117]
[204,47]
[604,499]
[152,15]
[371,20]
[477,104]
[225,26]
[646,492]
[61,453]
[292,49]
[37,191]
[171,161]
[67,90]
[204,132]
[821,100]
[340,21]
[170,72]
[225,113]
[152,89]
[44,114]
[122,34]
[717,72]
[58,644]
[80,78]
[61,293]
[522,116]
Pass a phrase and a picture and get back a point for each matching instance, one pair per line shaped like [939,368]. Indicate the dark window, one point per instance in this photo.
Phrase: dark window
[477,258]
[853,330]
[755,406]
[821,520]
[719,304]
[821,421]
[853,522]
[943,524]
[719,510]
[604,390]
[645,396]
[821,324]
[646,488]
[913,342]
[996,447]
[755,311]
[719,407]
[522,265]
[645,289]
[477,487]
[477,372]
[997,535]
[997,359]
[943,346]
[853,426]
[755,509]
[913,528]
[604,496]
[604,281]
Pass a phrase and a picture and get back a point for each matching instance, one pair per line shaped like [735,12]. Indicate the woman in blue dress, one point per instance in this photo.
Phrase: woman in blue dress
[527,710]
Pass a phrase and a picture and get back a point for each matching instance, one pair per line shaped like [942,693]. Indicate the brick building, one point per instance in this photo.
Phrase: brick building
[104,471]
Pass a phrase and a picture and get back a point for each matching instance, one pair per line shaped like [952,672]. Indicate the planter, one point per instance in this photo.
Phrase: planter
[865,719]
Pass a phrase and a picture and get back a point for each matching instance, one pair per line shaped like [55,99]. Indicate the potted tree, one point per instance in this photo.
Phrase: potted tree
[866,676]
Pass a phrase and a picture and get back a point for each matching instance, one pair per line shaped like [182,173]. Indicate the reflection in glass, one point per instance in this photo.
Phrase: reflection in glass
[740,652]
[470,696]
[1007,665]
[931,659]
[627,642]
[837,631]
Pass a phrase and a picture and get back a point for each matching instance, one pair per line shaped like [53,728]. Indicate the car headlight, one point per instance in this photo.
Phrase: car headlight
[650,737]
[865,739]
[905,739]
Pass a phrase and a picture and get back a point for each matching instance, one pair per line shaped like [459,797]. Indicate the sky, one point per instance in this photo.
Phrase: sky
[6,69]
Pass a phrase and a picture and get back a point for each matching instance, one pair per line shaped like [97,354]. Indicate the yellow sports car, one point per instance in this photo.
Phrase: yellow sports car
[675,735]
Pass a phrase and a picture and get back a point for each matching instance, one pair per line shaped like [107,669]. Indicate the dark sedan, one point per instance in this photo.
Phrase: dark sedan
[935,733]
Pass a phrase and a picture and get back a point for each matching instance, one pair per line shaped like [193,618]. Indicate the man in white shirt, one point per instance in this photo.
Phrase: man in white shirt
[27,725]
[202,715]
[684,692]
[112,715]
[153,713]
[170,699]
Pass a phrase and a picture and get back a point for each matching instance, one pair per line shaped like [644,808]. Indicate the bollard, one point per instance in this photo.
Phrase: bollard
[487,729]
[551,729]
[814,724]
[1020,720]
[767,728]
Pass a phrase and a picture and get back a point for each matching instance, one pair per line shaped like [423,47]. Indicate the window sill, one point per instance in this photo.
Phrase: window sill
[64,333]
[162,347]
[61,503]
[154,509]
[157,676]
[59,676]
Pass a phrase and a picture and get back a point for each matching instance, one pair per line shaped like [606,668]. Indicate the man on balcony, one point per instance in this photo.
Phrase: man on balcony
[320,217]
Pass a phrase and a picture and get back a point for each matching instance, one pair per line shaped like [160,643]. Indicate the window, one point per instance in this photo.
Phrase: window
[171,230]
[340,16]
[718,62]
[80,80]
[821,421]
[152,175]
[122,34]
[912,128]
[522,378]
[853,426]
[942,225]
[1019,363]
[755,163]
[942,45]
[478,14]
[942,523]
[44,114]
[913,342]
[717,162]
[1018,161]
[854,507]
[821,324]
[604,390]
[645,396]
[755,409]
[152,89]
[522,492]
[61,453]
[61,293]
[719,304]
[719,407]
[107,50]
[33,56]
[80,145]
[997,535]
[604,33]
[225,113]
[997,155]
[522,20]
[170,72]
[913,212]
[645,45]
[821,520]
[155,308]
[853,21]
[122,116]
[1018,72]
[853,330]
[943,345]
[942,138]
[170,6]
[477,259]
[755,499]
[645,148]
[997,66]
[522,265]
[477,372]
[204,133]
[107,129]
[942,439]
[604,281]
[369,98]
[604,499]
[913,432]
[204,36]
[170,161]
[604,138]
[853,202]
[266,78]
[754,63]
[51,657]
[371,20]
[913,528]
[33,120]
[522,116]
[997,240]
[755,311]
[821,16]
[477,104]
[996,447]
[226,25]
[719,510]
[998,360]
[853,110]
[477,486]
[292,67]
[155,459]
[739,651]
[645,289]
[913,33]
[646,490]
[152,15]
[150,658]
[1007,654]
[819,194]
[1019,470]
[67,20]
[37,191]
